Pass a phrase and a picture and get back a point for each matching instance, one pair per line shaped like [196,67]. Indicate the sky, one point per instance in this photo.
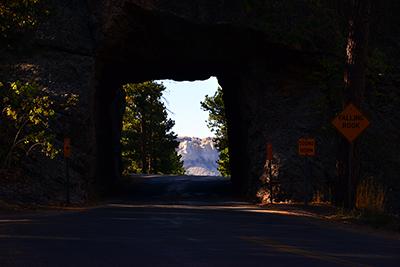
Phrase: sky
[182,100]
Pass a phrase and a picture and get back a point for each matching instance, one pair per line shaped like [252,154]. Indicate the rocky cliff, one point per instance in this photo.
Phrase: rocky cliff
[199,156]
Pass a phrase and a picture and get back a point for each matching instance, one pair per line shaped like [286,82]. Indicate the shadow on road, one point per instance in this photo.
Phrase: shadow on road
[185,221]
[175,189]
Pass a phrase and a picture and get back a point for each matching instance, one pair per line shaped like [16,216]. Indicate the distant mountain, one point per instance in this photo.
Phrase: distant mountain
[199,156]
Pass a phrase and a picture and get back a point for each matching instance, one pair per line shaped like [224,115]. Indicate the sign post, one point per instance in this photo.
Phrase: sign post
[306,149]
[350,123]
[270,156]
[67,155]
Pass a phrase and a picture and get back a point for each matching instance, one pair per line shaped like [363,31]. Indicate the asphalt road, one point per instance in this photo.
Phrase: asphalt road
[185,221]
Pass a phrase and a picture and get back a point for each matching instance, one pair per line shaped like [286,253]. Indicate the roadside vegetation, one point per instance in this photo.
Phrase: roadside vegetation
[148,142]
[25,110]
[18,19]
[26,114]
[217,122]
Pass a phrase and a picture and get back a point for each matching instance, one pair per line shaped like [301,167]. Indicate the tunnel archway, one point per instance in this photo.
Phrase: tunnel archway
[141,44]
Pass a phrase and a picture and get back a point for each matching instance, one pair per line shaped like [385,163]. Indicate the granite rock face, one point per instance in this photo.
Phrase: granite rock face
[199,156]
[91,48]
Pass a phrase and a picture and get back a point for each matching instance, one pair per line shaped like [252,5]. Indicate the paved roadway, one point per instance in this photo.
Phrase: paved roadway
[184,221]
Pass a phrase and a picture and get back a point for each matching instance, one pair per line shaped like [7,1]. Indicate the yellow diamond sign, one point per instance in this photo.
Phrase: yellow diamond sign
[351,122]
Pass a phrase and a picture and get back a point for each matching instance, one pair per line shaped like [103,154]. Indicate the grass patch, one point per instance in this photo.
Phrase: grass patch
[377,220]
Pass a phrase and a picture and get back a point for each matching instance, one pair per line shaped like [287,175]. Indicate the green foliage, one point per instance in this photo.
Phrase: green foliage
[24,122]
[148,144]
[223,162]
[19,16]
[218,124]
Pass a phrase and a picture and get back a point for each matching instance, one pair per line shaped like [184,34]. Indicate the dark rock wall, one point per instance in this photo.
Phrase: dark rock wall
[60,57]
[91,48]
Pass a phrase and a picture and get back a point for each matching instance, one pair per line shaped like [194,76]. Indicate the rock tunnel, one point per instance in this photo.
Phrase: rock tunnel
[91,48]
[163,41]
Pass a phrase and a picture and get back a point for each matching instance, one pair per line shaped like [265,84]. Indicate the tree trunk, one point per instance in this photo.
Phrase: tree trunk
[354,87]
[143,146]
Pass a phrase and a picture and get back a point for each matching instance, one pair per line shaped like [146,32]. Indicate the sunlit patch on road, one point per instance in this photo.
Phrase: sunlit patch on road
[226,206]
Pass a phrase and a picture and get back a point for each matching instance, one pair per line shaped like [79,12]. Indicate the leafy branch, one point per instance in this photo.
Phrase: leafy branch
[26,115]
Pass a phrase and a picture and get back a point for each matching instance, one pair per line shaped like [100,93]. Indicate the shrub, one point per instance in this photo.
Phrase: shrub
[370,196]
[25,114]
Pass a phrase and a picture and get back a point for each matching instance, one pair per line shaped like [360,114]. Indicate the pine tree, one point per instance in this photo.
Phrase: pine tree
[149,145]
[218,124]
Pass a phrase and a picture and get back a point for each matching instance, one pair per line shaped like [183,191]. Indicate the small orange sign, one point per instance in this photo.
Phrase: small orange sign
[269,152]
[307,147]
[351,123]
[67,147]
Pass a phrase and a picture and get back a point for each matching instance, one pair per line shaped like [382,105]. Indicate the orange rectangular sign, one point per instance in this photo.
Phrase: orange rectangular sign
[67,147]
[307,147]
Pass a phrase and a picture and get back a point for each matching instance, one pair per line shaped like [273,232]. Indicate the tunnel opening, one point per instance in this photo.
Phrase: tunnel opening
[151,46]
[117,152]
[167,131]
[256,75]
[167,124]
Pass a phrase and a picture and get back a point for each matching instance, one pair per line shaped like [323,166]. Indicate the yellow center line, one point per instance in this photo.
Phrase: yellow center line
[299,251]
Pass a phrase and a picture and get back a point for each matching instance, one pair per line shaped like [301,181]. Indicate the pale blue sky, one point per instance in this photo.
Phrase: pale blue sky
[183,102]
